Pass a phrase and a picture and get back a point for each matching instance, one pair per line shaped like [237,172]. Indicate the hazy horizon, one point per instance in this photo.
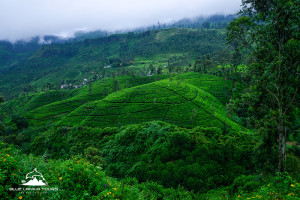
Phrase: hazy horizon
[21,20]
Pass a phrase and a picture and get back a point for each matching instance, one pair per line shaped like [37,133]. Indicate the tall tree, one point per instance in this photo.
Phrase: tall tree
[197,65]
[90,88]
[152,69]
[270,30]
[116,86]
[206,25]
[1,99]
[159,70]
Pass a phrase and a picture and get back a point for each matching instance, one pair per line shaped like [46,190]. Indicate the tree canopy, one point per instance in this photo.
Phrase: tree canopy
[270,30]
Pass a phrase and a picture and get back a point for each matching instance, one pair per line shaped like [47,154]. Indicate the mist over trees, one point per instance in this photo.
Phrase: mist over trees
[203,108]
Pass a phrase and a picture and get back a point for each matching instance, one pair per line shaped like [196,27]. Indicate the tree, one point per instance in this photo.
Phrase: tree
[1,99]
[270,30]
[206,62]
[159,70]
[152,69]
[2,128]
[90,88]
[116,86]
[206,25]
[222,56]
[171,69]
[197,65]
[103,73]
[20,121]
[236,57]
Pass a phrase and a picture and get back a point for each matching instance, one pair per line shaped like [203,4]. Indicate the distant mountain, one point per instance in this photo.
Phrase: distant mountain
[85,59]
[12,53]
[53,60]
[215,21]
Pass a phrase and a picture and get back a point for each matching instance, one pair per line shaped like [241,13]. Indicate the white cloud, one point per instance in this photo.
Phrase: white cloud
[21,19]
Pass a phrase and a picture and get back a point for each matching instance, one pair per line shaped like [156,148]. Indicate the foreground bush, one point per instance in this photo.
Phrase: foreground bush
[198,159]
[74,178]
[282,186]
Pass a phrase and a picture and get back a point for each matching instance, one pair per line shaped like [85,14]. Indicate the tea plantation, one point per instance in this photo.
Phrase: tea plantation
[174,102]
[182,111]
[52,106]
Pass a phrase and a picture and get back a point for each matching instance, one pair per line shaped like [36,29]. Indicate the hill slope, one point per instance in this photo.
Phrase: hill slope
[73,62]
[184,91]
[174,102]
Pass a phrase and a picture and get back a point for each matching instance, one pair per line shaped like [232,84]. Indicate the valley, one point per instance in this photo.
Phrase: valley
[181,112]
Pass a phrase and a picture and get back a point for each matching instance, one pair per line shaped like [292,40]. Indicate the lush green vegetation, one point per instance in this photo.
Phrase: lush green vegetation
[151,157]
[52,106]
[166,113]
[171,101]
[57,64]
[74,178]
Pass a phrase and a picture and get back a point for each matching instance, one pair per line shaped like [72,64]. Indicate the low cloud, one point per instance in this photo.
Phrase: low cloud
[21,19]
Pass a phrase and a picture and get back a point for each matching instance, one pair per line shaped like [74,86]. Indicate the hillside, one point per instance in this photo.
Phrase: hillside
[89,180]
[175,102]
[212,91]
[12,54]
[40,106]
[57,64]
[203,108]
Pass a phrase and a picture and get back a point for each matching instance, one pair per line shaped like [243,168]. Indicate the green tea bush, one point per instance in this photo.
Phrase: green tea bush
[184,105]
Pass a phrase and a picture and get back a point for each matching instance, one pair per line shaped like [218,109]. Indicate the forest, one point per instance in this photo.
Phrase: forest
[192,110]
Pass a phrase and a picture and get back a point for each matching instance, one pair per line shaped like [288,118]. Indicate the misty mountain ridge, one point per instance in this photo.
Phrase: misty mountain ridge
[12,53]
[72,62]
[218,21]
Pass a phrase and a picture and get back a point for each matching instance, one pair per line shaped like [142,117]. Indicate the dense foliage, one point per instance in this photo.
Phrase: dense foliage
[74,178]
[156,151]
[270,30]
[54,65]
[160,114]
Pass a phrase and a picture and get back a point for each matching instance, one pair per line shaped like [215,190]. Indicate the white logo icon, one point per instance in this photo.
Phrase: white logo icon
[34,178]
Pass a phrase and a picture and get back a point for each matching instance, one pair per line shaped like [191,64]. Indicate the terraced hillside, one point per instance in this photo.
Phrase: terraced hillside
[170,101]
[27,103]
[218,87]
[53,106]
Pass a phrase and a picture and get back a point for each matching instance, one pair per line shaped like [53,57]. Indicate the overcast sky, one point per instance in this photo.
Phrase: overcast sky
[22,19]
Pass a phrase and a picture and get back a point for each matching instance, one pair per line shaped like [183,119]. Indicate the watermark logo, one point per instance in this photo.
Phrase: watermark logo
[34,178]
